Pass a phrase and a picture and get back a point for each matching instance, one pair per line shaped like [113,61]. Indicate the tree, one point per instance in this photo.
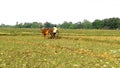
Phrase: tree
[70,25]
[48,25]
[78,25]
[27,25]
[97,24]
[19,25]
[111,23]
[65,25]
[87,24]
[6,26]
[40,25]
[2,25]
[35,25]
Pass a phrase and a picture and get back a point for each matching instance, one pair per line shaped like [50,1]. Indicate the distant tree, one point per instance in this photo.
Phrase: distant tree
[35,25]
[87,24]
[27,25]
[19,25]
[78,25]
[65,25]
[97,24]
[108,23]
[40,25]
[5,26]
[48,25]
[2,25]
[70,25]
[111,23]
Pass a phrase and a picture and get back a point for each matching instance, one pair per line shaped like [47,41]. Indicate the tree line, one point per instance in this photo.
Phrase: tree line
[108,23]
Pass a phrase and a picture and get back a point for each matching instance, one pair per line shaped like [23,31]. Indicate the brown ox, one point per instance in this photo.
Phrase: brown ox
[47,31]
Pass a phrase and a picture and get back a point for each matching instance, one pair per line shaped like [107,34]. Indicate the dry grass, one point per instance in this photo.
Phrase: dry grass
[75,49]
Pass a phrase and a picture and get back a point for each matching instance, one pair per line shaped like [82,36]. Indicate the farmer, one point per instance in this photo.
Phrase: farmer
[54,31]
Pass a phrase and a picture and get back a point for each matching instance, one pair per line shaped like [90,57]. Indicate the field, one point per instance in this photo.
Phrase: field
[27,48]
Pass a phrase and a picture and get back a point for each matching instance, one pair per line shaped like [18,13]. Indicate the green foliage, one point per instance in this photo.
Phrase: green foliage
[35,25]
[111,23]
[97,24]
[29,25]
[5,26]
[66,25]
[48,25]
[108,23]
[87,24]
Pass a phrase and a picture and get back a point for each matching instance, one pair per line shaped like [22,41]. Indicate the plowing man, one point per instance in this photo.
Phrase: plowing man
[50,31]
[54,31]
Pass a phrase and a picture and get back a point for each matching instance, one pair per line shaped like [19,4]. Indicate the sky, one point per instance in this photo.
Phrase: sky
[56,11]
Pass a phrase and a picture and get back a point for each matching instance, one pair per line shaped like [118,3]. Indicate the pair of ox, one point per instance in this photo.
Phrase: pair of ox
[49,31]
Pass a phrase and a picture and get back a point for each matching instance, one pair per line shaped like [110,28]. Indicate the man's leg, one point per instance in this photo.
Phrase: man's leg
[54,35]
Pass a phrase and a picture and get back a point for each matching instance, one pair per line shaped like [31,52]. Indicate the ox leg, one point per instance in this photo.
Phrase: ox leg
[44,35]
[51,35]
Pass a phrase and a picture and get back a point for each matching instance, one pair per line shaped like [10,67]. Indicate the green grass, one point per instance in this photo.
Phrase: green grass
[27,48]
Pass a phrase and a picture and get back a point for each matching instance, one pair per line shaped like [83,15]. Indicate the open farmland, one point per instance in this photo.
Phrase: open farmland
[27,48]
